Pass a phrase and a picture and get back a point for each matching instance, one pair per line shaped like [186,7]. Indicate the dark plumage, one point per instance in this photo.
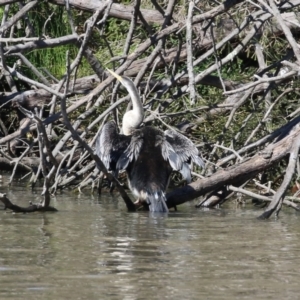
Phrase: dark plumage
[110,145]
[148,155]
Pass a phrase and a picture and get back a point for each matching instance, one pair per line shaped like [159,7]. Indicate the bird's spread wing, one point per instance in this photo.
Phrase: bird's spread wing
[110,145]
[132,151]
[182,152]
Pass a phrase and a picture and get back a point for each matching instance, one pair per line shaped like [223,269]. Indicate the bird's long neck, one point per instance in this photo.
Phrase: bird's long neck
[133,118]
[137,105]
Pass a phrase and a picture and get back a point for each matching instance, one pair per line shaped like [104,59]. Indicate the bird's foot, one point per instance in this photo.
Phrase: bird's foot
[141,205]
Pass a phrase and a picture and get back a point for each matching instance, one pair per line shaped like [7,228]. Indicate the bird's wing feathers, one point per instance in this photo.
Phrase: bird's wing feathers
[183,147]
[132,151]
[169,153]
[182,151]
[119,150]
[186,172]
[110,145]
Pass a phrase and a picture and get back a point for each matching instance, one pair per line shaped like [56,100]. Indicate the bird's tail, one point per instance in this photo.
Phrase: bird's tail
[157,202]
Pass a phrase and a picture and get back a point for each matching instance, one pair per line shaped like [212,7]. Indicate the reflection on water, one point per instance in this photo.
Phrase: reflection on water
[93,249]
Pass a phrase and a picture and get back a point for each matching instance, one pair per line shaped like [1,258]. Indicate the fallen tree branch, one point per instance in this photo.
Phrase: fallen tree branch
[238,173]
[261,197]
[117,10]
[19,209]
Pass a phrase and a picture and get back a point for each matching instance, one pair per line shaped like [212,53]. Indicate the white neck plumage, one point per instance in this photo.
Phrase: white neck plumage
[133,118]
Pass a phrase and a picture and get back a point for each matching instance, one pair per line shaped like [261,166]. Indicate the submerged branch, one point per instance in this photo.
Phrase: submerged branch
[19,209]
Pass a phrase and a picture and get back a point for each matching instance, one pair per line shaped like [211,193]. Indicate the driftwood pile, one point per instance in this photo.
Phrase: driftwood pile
[61,149]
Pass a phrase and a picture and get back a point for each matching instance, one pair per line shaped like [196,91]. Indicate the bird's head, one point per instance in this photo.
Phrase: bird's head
[124,80]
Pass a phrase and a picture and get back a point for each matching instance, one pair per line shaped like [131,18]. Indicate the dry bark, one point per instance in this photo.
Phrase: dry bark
[37,98]
[117,10]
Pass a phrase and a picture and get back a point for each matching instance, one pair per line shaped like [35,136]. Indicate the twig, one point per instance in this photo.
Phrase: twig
[18,16]
[274,10]
[278,198]
[260,81]
[231,150]
[264,119]
[189,48]
[269,137]
[261,197]
[131,28]
[32,68]
[17,161]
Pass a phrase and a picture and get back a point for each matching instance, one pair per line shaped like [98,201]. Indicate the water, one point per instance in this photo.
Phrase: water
[94,249]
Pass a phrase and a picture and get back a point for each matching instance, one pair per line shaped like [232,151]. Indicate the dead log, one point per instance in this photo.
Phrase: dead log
[42,43]
[119,11]
[37,98]
[6,164]
[239,173]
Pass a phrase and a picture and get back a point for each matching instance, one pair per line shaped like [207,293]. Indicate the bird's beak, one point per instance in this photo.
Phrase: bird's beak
[115,75]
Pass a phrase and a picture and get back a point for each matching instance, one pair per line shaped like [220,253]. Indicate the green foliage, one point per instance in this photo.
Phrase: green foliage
[50,21]
[55,25]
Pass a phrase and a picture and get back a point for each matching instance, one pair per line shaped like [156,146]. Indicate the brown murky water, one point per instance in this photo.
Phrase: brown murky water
[93,249]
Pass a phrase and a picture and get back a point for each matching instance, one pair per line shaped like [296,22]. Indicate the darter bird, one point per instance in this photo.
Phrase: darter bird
[149,155]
